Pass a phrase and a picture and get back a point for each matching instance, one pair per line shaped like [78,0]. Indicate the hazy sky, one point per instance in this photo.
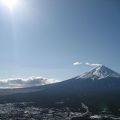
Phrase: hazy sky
[45,37]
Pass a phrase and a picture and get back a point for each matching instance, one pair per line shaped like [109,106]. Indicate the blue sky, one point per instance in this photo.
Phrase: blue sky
[45,37]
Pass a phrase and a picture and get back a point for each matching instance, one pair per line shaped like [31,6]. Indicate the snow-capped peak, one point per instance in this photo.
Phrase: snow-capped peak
[100,72]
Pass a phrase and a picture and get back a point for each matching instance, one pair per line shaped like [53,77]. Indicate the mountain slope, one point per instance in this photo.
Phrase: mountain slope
[100,72]
[93,92]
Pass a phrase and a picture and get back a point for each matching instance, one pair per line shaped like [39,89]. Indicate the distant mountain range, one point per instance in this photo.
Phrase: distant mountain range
[98,88]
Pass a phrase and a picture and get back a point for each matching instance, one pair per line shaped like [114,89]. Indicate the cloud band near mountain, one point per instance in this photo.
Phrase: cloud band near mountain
[29,82]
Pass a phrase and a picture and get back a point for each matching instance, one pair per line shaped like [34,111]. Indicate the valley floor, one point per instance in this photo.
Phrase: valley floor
[27,111]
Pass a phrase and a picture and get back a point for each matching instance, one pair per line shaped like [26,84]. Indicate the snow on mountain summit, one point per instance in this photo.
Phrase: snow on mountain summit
[99,72]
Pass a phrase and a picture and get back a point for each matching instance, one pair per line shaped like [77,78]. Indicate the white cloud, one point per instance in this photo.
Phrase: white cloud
[77,63]
[87,64]
[96,64]
[27,82]
[92,65]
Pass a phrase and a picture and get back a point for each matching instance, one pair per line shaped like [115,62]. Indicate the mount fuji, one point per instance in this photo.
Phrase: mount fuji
[98,88]
[100,72]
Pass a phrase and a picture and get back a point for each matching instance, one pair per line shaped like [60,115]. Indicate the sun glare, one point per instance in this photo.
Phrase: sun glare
[11,4]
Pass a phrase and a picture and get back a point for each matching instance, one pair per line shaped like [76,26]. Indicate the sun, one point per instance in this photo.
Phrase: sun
[11,4]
